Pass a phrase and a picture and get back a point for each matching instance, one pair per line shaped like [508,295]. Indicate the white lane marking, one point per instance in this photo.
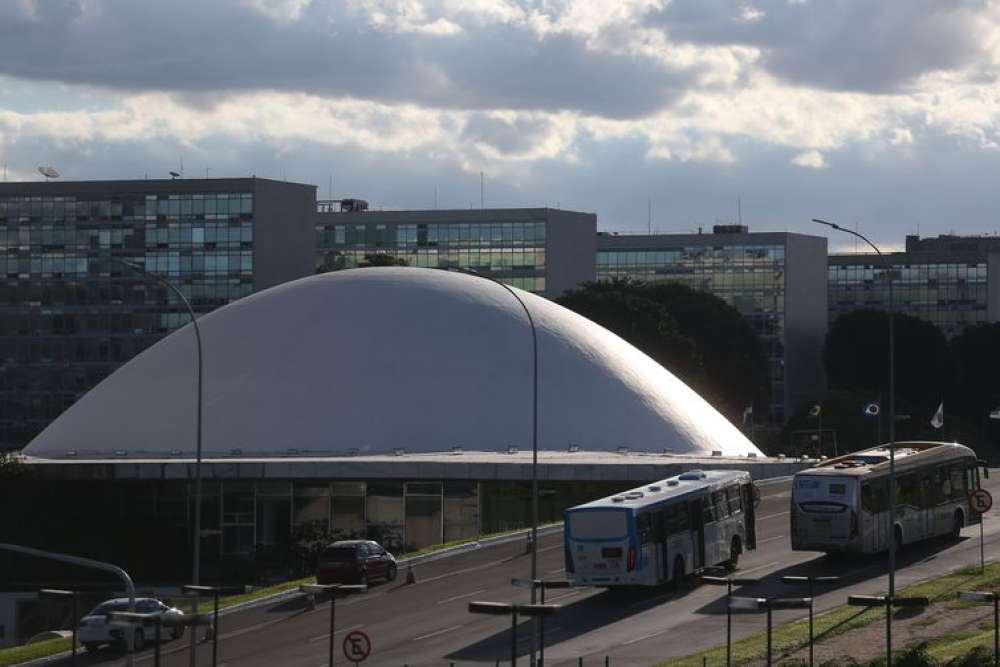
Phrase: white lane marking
[760,567]
[338,632]
[562,569]
[459,597]
[771,539]
[466,570]
[772,516]
[645,637]
[435,634]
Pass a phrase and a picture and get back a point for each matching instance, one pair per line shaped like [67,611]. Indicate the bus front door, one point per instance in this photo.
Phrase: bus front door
[697,533]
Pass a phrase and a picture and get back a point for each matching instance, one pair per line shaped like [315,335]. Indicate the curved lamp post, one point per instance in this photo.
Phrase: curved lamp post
[534,431]
[196,565]
[892,416]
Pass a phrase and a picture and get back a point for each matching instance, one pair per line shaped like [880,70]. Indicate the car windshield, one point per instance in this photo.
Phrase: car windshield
[342,554]
[108,607]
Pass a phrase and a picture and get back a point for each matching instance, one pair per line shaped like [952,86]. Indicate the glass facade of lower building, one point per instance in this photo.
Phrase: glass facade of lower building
[513,252]
[751,278]
[950,294]
[69,316]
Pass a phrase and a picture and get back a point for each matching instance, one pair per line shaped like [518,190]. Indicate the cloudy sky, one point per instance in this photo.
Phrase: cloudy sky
[878,114]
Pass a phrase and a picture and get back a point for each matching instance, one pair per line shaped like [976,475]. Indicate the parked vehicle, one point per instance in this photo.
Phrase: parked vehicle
[95,631]
[661,532]
[355,562]
[843,503]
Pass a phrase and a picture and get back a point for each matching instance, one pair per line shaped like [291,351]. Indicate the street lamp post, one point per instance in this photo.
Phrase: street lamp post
[196,565]
[534,436]
[892,413]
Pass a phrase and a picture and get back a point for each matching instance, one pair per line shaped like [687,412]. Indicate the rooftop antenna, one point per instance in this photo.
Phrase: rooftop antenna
[330,191]
[182,166]
[47,172]
[649,217]
[482,197]
[435,196]
[739,211]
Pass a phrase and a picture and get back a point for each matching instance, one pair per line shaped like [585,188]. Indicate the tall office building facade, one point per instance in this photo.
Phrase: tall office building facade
[542,250]
[950,281]
[777,281]
[69,316]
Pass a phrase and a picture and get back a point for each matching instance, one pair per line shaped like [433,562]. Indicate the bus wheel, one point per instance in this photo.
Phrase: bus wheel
[735,550]
[957,524]
[680,578]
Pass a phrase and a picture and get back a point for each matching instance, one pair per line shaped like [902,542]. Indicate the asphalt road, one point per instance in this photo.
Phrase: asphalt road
[428,623]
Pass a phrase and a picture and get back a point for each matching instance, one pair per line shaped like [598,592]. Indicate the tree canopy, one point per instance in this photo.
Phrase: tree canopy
[695,335]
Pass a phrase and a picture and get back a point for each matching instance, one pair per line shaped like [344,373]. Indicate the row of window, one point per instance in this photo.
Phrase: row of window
[658,524]
[126,208]
[924,490]
[854,273]
[36,239]
[747,256]
[431,234]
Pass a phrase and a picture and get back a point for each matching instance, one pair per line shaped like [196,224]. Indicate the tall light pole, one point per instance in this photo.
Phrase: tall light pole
[892,419]
[196,565]
[534,436]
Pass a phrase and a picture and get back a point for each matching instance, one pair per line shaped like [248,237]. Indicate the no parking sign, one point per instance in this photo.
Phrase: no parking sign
[357,646]
[981,500]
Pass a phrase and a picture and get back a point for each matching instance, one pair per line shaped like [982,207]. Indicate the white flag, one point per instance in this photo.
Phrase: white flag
[937,421]
[995,414]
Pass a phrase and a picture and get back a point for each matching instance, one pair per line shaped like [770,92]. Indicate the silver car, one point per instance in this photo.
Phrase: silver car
[95,630]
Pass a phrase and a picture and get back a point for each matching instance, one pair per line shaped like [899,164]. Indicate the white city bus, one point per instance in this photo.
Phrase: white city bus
[661,531]
[843,503]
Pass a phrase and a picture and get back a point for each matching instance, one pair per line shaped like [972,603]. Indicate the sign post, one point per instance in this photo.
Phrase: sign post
[981,501]
[357,646]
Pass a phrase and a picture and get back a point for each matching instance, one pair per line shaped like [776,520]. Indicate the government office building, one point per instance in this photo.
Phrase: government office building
[776,280]
[69,315]
[542,250]
[951,281]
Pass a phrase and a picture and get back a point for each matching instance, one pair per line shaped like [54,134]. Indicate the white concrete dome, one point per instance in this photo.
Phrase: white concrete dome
[382,358]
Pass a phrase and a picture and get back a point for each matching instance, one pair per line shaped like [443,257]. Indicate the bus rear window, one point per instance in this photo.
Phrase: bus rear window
[598,525]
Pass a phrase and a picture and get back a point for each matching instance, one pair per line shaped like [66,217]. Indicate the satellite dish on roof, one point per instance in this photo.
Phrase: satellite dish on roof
[174,174]
[48,172]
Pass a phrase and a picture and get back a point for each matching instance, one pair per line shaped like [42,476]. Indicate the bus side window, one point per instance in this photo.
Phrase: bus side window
[929,491]
[735,499]
[679,519]
[721,506]
[908,491]
[868,501]
[707,509]
[873,496]
[958,490]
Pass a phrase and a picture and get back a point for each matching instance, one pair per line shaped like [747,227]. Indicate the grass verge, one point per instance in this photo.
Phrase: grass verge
[19,654]
[795,634]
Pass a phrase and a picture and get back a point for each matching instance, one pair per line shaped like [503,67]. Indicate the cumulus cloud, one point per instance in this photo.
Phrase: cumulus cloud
[812,159]
[876,47]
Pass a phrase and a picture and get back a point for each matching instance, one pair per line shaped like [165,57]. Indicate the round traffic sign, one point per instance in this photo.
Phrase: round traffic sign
[981,500]
[357,646]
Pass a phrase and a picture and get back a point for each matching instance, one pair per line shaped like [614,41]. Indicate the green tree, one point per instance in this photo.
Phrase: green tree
[622,308]
[733,374]
[697,336]
[381,259]
[11,466]
[856,357]
[977,393]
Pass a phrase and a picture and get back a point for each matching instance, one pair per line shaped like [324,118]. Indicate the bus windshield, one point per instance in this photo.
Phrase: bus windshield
[598,525]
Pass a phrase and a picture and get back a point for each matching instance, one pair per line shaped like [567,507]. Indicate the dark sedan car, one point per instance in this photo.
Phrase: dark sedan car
[355,562]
